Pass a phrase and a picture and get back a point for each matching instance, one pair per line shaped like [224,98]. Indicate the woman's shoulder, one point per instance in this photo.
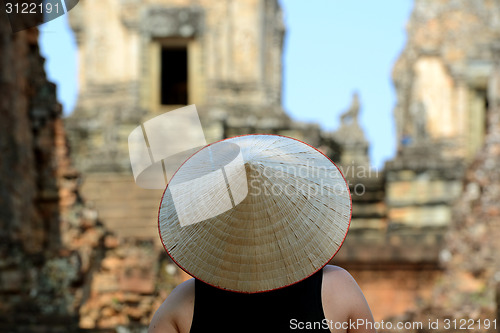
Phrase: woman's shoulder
[337,275]
[342,298]
[337,279]
[176,312]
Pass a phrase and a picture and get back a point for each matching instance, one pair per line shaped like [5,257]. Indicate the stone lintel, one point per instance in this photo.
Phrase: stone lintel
[161,22]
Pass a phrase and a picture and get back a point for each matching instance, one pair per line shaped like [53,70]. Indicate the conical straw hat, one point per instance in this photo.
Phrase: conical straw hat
[255,213]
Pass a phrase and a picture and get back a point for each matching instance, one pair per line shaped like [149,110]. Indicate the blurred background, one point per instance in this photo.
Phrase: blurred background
[403,95]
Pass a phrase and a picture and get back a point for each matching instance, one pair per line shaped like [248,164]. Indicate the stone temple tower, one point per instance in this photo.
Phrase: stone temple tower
[441,81]
[139,59]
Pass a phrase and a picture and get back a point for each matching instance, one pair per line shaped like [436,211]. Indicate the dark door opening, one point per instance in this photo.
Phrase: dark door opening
[174,73]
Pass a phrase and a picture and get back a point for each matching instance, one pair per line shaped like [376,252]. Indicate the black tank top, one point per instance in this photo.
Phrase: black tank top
[282,310]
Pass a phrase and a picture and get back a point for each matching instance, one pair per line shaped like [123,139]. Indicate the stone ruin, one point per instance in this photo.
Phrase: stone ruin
[80,248]
[48,238]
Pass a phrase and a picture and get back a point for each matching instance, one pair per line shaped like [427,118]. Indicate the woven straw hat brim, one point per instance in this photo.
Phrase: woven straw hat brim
[286,212]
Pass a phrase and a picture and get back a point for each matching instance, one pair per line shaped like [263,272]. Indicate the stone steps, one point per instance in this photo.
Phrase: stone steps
[122,206]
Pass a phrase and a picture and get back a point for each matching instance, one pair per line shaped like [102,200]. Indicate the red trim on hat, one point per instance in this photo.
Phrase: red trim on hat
[260,291]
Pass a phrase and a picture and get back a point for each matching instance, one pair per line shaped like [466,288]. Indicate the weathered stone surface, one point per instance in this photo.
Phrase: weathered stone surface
[471,253]
[395,289]
[453,45]
[442,74]
[129,285]
[49,238]
[120,87]
[38,274]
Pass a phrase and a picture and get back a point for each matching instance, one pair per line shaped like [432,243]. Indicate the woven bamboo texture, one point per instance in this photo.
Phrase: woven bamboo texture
[255,213]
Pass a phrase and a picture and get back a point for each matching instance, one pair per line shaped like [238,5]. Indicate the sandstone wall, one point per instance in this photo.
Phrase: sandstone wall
[470,287]
[468,292]
[233,69]
[35,277]
[441,75]
[441,81]
[54,253]
[447,121]
[48,238]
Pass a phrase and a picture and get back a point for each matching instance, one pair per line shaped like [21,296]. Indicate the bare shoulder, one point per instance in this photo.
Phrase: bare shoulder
[342,298]
[338,274]
[339,287]
[176,312]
